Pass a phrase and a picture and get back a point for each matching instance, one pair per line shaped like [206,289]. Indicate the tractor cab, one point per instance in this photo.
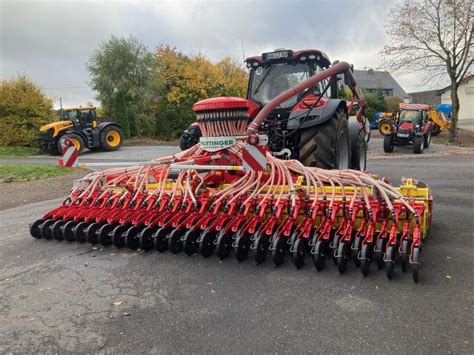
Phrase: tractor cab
[82,117]
[275,72]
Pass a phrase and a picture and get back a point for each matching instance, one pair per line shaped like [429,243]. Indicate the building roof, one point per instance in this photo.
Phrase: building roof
[467,78]
[414,107]
[429,97]
[375,79]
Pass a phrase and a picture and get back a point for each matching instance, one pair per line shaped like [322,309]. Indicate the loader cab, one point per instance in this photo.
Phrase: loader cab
[275,72]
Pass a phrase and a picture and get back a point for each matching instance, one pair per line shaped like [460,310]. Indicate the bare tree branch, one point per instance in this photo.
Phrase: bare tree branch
[434,37]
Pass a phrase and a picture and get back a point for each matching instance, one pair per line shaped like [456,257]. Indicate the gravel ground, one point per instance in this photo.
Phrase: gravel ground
[16,194]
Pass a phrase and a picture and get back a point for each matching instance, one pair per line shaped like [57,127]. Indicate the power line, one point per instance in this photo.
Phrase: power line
[67,87]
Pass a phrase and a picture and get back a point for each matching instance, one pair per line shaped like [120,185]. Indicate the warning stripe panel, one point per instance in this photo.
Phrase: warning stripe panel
[254,157]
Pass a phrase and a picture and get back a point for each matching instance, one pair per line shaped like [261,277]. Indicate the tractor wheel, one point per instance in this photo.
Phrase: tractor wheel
[190,137]
[385,126]
[387,144]
[75,139]
[358,147]
[418,144]
[428,138]
[111,138]
[436,130]
[326,145]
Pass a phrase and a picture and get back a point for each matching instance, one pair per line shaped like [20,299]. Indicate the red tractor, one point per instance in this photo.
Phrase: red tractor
[413,126]
[312,127]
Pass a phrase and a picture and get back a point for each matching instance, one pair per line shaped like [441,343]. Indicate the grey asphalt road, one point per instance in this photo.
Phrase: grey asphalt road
[137,154]
[58,297]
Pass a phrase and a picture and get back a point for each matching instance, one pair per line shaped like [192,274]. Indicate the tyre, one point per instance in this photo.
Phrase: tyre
[326,145]
[387,144]
[75,139]
[111,138]
[428,138]
[190,137]
[358,147]
[418,144]
[435,129]
[385,126]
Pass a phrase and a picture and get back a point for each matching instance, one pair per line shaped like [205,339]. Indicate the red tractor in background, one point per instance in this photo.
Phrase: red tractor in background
[413,126]
[312,127]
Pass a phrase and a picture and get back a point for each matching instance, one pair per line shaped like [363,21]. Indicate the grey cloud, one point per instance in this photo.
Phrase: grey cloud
[52,41]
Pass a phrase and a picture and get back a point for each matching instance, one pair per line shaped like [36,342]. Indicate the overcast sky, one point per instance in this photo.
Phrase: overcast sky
[51,41]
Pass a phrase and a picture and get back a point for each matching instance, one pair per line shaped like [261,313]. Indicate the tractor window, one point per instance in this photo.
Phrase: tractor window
[72,115]
[410,116]
[270,81]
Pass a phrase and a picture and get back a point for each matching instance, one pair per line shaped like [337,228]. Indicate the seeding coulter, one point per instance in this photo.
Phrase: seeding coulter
[230,194]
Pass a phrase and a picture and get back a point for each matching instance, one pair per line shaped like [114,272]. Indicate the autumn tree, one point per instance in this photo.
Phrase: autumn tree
[187,79]
[23,109]
[122,74]
[434,37]
[393,103]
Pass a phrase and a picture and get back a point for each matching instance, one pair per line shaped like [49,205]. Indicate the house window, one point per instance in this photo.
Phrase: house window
[388,92]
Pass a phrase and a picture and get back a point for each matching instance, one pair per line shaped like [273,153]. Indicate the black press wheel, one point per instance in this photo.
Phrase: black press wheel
[365,258]
[242,246]
[298,252]
[56,230]
[131,238]
[207,242]
[261,247]
[190,244]
[45,230]
[319,254]
[91,232]
[79,232]
[117,235]
[404,255]
[278,250]
[67,230]
[103,234]
[416,264]
[390,256]
[160,241]
[356,247]
[145,238]
[175,245]
[378,252]
[34,228]
[327,144]
[343,253]
[224,245]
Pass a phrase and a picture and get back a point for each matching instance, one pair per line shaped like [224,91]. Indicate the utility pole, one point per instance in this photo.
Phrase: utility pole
[243,51]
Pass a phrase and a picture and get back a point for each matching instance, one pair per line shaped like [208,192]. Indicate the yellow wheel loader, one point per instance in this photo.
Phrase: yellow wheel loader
[439,120]
[79,124]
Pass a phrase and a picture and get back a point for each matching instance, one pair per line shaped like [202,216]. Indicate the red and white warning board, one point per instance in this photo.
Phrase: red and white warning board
[254,157]
[70,155]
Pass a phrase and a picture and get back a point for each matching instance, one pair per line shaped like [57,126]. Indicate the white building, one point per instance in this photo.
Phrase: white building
[466,98]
